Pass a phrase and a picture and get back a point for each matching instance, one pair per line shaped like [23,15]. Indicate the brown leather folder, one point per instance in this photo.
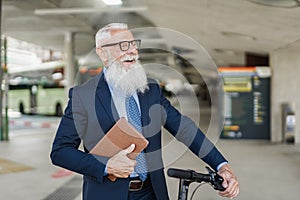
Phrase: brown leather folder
[119,137]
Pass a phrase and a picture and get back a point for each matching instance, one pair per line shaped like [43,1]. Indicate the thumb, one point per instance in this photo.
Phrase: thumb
[225,184]
[129,149]
[226,178]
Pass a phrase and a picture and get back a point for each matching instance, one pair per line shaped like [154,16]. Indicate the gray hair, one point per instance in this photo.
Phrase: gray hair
[104,32]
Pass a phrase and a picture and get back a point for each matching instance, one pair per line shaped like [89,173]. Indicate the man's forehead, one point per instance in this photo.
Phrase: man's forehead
[118,35]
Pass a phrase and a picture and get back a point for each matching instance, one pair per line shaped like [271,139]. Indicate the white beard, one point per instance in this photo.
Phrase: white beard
[130,81]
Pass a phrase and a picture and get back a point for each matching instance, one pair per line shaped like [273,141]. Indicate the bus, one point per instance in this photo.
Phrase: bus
[37,98]
[42,91]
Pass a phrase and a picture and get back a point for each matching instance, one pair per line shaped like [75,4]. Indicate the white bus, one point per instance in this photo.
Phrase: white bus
[46,99]
[43,93]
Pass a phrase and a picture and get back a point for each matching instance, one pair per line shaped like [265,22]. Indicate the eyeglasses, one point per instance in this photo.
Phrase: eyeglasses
[125,45]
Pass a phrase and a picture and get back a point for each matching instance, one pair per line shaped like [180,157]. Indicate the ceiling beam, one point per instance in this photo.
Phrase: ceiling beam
[66,11]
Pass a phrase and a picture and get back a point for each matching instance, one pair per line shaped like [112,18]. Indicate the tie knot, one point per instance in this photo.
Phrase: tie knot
[129,99]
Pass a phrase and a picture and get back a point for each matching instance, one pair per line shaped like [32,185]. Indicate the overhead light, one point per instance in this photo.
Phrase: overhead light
[226,51]
[278,3]
[238,35]
[113,2]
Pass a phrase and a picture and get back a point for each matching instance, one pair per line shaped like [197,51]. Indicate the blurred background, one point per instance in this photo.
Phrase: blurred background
[239,57]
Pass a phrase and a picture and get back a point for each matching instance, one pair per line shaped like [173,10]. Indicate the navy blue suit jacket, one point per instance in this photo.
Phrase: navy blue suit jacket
[91,113]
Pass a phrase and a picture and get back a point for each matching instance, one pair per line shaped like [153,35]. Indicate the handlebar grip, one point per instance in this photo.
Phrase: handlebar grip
[212,177]
[179,173]
[217,183]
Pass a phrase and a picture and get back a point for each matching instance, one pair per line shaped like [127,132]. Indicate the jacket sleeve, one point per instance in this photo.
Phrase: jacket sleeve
[186,131]
[65,149]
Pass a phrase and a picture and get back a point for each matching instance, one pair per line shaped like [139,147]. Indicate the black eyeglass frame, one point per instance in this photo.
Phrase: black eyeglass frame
[138,42]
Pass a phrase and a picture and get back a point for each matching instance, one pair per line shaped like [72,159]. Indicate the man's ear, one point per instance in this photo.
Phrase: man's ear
[102,54]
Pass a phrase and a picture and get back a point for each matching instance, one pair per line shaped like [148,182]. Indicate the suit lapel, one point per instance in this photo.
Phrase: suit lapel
[103,96]
[144,105]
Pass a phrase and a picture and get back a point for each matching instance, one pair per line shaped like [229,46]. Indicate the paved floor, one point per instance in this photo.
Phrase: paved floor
[266,171]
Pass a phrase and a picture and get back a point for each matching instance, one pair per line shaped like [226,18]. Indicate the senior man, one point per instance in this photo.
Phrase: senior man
[123,90]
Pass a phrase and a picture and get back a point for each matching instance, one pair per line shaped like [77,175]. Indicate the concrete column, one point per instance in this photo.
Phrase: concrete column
[69,70]
[1,74]
[285,63]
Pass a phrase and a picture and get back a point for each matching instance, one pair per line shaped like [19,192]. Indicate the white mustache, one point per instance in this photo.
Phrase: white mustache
[130,57]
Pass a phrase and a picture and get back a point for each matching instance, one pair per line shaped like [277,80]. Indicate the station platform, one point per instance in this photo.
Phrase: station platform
[265,171]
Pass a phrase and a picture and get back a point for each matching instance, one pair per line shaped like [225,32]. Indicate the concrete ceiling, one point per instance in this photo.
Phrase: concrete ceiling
[226,29]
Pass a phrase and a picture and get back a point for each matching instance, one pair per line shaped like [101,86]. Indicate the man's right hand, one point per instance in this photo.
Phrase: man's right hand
[120,165]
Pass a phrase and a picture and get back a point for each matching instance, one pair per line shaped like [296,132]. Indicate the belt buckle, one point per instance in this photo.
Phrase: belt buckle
[135,185]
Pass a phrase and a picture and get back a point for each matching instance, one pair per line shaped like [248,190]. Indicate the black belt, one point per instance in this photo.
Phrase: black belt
[136,184]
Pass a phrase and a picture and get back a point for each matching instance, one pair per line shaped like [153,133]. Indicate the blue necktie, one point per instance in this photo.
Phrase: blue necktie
[134,118]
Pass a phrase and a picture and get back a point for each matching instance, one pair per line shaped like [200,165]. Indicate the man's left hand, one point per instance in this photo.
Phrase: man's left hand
[230,182]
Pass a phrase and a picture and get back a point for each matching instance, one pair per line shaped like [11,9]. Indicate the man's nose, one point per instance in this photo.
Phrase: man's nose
[132,49]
